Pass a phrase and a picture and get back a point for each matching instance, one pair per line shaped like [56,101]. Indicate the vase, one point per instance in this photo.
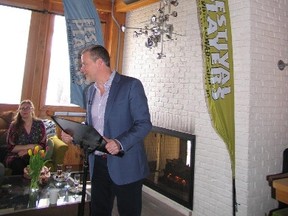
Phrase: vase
[33,199]
[34,185]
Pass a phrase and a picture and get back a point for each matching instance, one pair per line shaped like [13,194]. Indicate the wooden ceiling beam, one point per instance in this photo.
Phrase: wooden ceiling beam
[29,4]
[101,5]
[120,6]
[56,6]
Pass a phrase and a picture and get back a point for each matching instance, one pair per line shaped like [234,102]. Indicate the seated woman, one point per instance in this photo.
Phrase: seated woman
[25,132]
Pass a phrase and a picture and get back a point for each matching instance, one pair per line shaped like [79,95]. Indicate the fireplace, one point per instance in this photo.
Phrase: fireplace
[171,157]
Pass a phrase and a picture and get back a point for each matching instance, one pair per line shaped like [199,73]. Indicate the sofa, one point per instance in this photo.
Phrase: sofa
[57,148]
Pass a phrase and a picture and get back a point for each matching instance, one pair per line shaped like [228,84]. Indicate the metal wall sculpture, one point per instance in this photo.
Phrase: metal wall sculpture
[158,30]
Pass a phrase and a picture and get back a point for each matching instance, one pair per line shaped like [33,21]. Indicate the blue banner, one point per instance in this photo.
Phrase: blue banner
[83,29]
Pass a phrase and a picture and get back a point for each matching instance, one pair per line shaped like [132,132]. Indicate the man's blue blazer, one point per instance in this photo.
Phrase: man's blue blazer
[126,119]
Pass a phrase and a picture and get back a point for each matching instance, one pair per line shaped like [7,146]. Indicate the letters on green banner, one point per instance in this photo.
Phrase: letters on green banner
[218,63]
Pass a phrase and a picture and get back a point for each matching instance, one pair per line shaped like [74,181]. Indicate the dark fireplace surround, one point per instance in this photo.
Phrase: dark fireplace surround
[171,158]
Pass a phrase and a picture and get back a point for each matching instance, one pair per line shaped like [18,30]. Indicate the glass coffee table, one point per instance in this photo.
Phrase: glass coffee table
[17,199]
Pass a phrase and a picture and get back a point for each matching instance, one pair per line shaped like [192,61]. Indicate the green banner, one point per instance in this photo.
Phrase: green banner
[218,62]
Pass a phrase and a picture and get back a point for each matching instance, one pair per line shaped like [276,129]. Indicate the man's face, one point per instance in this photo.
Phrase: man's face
[89,67]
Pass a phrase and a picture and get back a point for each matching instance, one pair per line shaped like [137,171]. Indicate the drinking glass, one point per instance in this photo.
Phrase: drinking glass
[76,182]
[67,174]
[59,174]
[59,169]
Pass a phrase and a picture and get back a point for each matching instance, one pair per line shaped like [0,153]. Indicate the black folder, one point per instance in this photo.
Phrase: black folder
[84,135]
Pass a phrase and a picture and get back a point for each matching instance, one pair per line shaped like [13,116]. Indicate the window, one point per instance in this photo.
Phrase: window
[58,88]
[54,80]
[15,24]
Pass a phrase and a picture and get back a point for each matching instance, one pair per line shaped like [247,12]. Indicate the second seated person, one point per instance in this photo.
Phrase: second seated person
[25,132]
[117,108]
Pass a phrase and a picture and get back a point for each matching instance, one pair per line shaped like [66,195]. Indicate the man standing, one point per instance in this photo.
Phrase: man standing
[117,108]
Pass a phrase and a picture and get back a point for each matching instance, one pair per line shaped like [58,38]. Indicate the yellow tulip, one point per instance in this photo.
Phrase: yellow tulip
[42,153]
[29,152]
[36,149]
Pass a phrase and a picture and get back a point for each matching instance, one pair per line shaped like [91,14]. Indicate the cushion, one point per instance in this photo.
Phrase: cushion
[2,170]
[2,173]
[49,149]
[3,124]
[3,135]
[50,127]
[7,116]
[281,212]
[3,153]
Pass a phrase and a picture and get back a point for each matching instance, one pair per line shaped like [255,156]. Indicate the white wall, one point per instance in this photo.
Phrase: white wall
[175,90]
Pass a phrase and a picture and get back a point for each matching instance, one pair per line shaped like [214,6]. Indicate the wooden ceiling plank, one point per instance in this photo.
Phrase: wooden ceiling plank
[29,4]
[56,6]
[101,5]
[120,6]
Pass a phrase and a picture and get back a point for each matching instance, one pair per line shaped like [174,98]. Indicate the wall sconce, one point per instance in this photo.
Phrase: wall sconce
[158,30]
[281,65]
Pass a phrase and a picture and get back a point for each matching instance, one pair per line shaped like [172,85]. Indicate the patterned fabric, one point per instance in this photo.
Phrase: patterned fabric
[21,137]
[50,127]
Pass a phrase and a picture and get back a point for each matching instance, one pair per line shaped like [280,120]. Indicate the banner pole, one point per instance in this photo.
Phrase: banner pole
[234,196]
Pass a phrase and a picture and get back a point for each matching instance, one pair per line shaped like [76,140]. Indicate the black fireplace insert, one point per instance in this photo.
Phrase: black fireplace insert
[171,158]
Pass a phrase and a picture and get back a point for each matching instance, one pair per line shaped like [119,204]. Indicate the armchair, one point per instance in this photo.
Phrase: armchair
[59,150]
[282,207]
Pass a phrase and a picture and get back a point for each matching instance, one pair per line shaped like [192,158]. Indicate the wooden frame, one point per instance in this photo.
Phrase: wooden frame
[39,49]
[39,45]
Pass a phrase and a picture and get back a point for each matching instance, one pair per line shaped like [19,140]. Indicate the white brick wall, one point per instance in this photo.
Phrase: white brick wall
[175,90]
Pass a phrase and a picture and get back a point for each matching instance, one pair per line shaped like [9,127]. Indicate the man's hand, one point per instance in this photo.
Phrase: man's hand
[112,146]
[66,137]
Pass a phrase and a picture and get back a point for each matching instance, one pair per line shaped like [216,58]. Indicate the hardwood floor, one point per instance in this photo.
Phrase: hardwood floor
[153,207]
